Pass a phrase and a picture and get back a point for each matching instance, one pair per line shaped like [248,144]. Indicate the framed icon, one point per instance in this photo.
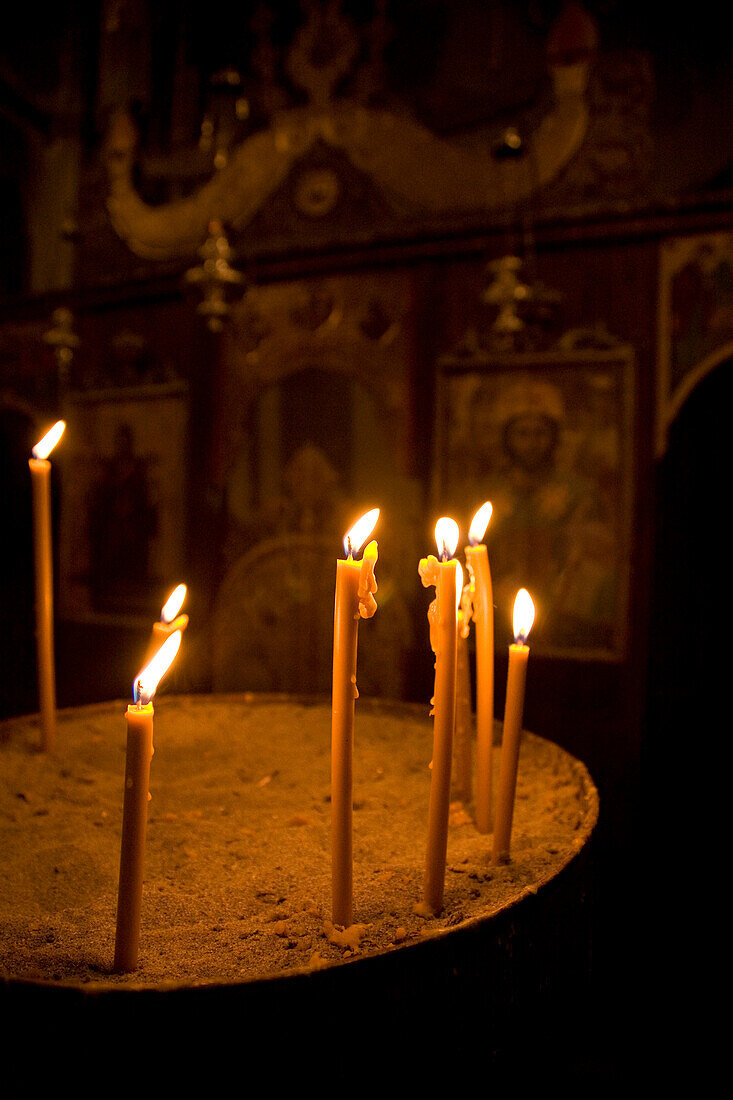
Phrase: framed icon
[123,504]
[547,438]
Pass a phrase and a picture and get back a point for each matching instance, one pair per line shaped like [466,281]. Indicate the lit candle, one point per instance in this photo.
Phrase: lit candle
[462,784]
[512,734]
[169,622]
[477,560]
[139,718]
[355,588]
[442,616]
[40,469]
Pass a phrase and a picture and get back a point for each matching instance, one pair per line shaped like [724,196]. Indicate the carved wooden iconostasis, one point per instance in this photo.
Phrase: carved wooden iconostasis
[273,270]
[339,162]
[322,385]
[314,427]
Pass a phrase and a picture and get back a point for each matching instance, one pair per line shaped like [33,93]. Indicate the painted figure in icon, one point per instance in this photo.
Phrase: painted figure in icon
[122,524]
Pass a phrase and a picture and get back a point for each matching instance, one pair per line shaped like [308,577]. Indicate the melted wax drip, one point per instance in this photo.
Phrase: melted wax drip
[368,582]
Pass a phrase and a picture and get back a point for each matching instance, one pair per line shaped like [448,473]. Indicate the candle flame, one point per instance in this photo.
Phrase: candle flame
[44,446]
[523,615]
[446,537]
[357,535]
[479,523]
[173,604]
[146,682]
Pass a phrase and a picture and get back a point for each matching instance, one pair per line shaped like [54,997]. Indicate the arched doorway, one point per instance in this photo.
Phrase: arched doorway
[690,585]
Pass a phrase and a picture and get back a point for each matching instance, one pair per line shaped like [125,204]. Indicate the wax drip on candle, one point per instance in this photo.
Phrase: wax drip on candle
[463,603]
[467,593]
[428,570]
[368,582]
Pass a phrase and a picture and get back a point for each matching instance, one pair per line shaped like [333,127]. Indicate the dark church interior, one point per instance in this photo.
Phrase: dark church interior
[278,263]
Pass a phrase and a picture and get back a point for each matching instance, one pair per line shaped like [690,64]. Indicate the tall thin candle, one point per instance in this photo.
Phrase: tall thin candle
[40,469]
[477,559]
[442,617]
[139,718]
[512,733]
[355,588]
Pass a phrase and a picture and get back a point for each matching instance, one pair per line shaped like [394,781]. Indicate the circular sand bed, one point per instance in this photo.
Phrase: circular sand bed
[237,874]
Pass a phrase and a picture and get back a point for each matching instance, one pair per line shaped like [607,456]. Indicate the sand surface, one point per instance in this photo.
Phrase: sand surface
[237,882]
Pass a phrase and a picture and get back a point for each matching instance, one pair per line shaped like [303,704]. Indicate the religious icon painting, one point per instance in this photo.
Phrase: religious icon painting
[123,506]
[547,438]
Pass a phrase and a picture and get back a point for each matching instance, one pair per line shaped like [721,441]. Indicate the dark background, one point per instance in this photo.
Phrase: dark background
[646,724]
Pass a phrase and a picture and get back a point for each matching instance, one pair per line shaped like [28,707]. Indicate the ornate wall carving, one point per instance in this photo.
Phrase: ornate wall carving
[340,169]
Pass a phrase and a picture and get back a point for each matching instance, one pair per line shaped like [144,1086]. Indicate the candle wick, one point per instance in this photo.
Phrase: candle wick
[349,550]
